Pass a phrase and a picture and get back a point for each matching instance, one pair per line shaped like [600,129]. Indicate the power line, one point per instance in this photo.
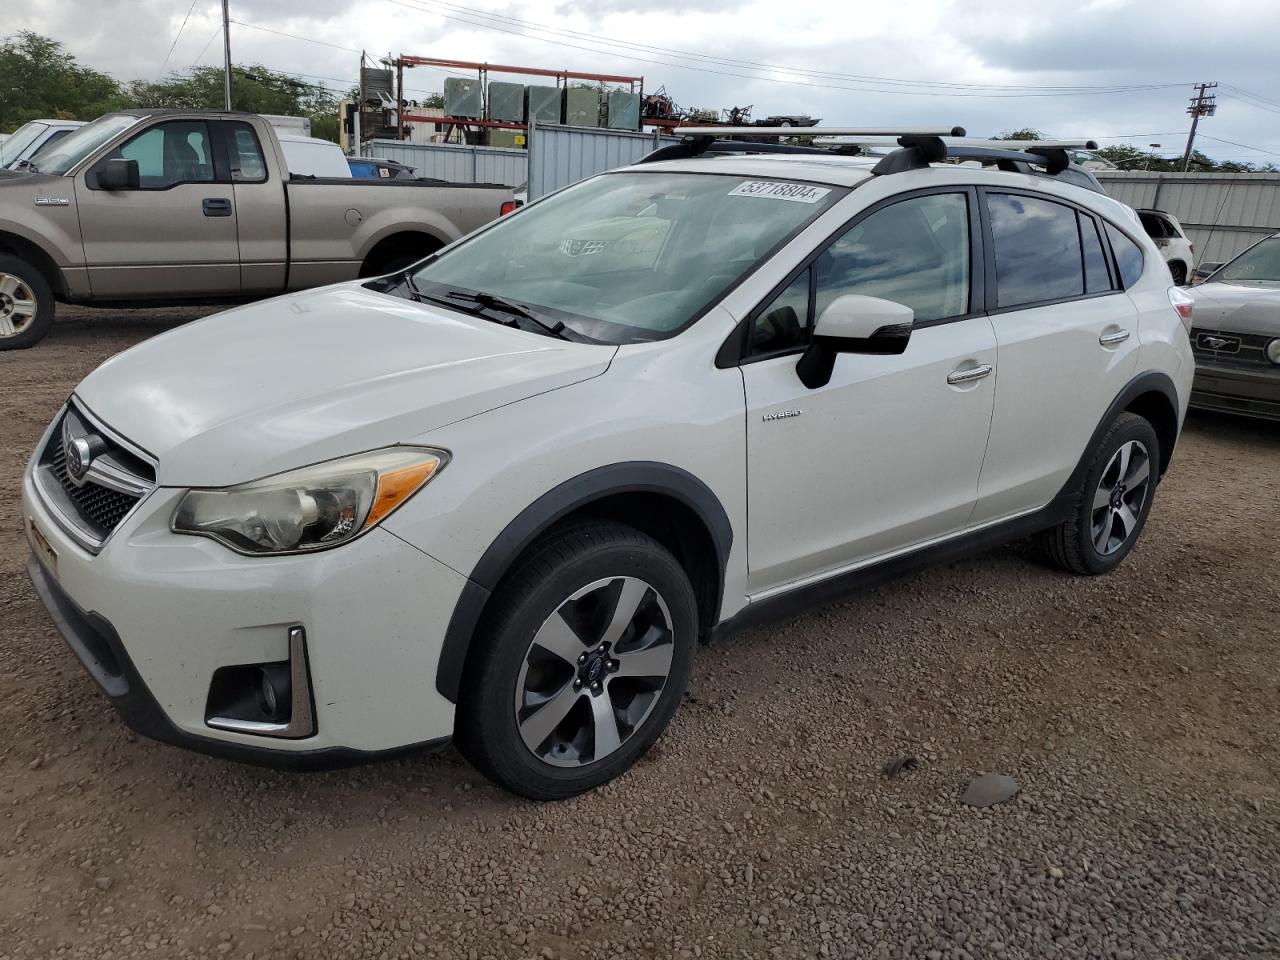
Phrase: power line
[1255,96]
[526,33]
[1045,89]
[213,36]
[176,37]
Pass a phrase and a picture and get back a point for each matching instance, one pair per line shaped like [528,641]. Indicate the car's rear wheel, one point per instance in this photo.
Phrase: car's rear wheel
[1112,502]
[26,304]
[583,660]
[1179,273]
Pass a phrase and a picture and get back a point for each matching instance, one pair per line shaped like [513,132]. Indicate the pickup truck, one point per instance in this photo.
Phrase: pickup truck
[154,207]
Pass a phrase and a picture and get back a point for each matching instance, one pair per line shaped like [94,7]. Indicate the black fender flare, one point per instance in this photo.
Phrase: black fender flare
[1152,381]
[552,506]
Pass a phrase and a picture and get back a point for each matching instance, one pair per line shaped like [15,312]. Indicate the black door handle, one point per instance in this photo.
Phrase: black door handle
[216,207]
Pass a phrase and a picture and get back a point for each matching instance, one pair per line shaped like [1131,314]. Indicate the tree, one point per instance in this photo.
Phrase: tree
[256,88]
[1022,133]
[38,78]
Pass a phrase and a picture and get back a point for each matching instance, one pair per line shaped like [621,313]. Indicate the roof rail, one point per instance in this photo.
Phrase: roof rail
[699,141]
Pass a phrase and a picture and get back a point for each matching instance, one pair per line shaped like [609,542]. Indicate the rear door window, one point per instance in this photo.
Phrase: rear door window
[1038,255]
[247,162]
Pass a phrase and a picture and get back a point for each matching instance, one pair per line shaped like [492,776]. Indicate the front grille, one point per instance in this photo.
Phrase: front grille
[101,506]
[1233,349]
[90,502]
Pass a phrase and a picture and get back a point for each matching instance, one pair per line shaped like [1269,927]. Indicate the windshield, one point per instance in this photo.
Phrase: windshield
[19,140]
[80,143]
[1258,264]
[630,256]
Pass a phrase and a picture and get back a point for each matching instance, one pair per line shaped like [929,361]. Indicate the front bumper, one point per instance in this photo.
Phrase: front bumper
[154,614]
[1254,392]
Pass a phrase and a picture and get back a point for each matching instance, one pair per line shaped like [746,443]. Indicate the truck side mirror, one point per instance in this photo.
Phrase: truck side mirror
[119,174]
[854,324]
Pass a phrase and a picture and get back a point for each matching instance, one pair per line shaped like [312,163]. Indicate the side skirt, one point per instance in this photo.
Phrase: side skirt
[864,578]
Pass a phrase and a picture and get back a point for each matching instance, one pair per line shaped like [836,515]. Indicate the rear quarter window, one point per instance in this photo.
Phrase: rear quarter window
[1129,258]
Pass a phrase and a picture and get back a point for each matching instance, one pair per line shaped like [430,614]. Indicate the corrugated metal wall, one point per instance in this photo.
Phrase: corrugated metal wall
[1222,212]
[455,162]
[559,156]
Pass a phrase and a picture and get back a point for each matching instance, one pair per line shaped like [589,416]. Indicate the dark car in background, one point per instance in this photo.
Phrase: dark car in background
[1236,334]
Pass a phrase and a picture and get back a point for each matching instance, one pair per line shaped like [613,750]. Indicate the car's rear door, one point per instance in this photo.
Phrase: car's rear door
[262,226]
[1067,337]
[175,236]
[887,454]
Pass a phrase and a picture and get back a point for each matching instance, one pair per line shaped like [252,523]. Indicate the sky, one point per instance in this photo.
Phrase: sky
[1119,71]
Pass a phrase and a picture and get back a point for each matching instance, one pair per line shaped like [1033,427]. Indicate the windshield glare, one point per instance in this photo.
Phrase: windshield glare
[19,140]
[81,142]
[1259,264]
[630,256]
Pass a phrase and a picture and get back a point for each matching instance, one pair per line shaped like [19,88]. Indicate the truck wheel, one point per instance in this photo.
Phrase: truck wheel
[1112,502]
[1179,273]
[583,660]
[26,304]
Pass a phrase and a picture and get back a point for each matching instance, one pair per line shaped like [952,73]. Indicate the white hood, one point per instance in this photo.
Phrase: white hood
[316,375]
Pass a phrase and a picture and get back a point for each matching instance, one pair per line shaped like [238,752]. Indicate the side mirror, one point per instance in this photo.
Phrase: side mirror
[119,174]
[1202,272]
[854,324]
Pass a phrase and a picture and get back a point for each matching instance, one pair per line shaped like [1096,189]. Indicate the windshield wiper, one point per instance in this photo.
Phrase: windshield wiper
[415,294]
[488,301]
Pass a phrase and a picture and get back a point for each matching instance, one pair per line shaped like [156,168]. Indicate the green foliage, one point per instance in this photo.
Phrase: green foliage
[38,78]
[1022,133]
[1132,158]
[256,89]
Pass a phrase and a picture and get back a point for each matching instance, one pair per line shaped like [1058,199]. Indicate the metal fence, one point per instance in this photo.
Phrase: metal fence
[456,163]
[559,156]
[1223,213]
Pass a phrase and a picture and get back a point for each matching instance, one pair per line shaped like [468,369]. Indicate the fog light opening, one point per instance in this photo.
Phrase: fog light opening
[275,694]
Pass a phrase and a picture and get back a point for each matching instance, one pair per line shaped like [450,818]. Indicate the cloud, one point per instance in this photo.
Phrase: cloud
[993,42]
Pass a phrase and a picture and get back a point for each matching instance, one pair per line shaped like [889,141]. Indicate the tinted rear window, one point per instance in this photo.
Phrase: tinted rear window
[1037,247]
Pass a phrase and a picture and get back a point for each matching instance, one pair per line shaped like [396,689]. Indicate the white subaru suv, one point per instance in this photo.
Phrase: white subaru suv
[499,497]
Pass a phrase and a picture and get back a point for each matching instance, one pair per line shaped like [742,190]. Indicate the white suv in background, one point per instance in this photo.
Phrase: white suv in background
[1172,242]
[500,496]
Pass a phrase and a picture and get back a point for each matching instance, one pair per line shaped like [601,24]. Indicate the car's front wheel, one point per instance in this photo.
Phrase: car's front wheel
[26,304]
[1112,502]
[581,662]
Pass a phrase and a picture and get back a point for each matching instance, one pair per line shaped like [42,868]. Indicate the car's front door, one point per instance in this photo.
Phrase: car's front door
[174,236]
[887,454]
[1068,342]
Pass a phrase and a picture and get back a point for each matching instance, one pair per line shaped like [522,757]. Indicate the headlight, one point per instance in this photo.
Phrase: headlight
[313,508]
[1273,350]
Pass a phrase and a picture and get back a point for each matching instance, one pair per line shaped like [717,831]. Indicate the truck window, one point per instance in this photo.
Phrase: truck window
[247,163]
[171,153]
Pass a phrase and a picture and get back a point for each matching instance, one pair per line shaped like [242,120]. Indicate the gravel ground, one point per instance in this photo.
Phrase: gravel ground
[1139,712]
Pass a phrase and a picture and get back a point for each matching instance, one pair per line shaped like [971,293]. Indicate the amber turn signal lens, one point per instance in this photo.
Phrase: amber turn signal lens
[397,486]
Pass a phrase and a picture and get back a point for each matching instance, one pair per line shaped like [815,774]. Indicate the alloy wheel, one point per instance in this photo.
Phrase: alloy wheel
[17,305]
[594,671]
[1121,497]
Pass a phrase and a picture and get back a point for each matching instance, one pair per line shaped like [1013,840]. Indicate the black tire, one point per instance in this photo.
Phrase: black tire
[35,327]
[1179,273]
[487,730]
[1072,545]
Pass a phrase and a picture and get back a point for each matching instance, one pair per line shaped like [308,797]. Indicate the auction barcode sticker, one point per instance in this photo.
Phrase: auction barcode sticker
[771,190]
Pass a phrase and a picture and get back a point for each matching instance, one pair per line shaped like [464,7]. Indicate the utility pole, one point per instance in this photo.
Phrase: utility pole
[226,56]
[1202,105]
